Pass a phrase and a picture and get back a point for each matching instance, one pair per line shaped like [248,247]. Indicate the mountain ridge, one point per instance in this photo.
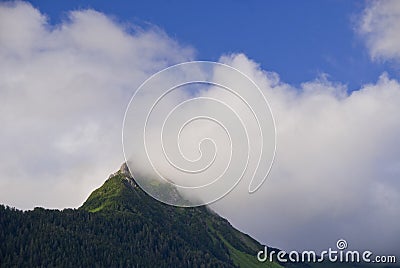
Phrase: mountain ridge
[112,196]
[119,225]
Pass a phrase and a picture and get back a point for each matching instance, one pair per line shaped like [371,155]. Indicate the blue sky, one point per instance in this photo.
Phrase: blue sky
[297,39]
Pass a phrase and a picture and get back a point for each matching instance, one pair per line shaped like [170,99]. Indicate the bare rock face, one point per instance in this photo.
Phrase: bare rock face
[124,170]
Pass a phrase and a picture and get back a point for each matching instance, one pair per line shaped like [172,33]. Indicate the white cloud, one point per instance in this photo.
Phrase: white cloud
[336,174]
[63,92]
[64,88]
[379,24]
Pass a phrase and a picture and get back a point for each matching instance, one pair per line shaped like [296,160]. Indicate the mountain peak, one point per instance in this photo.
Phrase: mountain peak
[119,225]
[124,170]
[121,195]
[121,191]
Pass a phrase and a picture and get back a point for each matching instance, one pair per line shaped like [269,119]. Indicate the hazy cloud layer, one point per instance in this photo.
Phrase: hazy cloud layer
[64,88]
[63,93]
[337,168]
[379,24]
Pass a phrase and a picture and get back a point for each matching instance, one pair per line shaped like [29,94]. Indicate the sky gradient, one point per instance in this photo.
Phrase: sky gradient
[297,39]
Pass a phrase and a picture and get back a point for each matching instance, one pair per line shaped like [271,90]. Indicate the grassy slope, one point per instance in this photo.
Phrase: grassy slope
[117,194]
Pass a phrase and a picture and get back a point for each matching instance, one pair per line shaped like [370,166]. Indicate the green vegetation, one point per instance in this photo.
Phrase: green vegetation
[121,226]
[246,260]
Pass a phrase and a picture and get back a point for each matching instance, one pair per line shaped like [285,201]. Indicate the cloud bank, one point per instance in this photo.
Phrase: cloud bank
[63,92]
[337,168]
[379,24]
[64,89]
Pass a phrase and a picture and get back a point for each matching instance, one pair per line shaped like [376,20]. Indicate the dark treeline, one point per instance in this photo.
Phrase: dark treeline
[119,225]
[77,238]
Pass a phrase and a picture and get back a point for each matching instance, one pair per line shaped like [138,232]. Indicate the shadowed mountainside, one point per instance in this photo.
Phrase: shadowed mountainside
[119,225]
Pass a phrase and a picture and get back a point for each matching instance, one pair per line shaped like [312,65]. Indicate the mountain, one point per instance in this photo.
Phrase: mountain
[119,225]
